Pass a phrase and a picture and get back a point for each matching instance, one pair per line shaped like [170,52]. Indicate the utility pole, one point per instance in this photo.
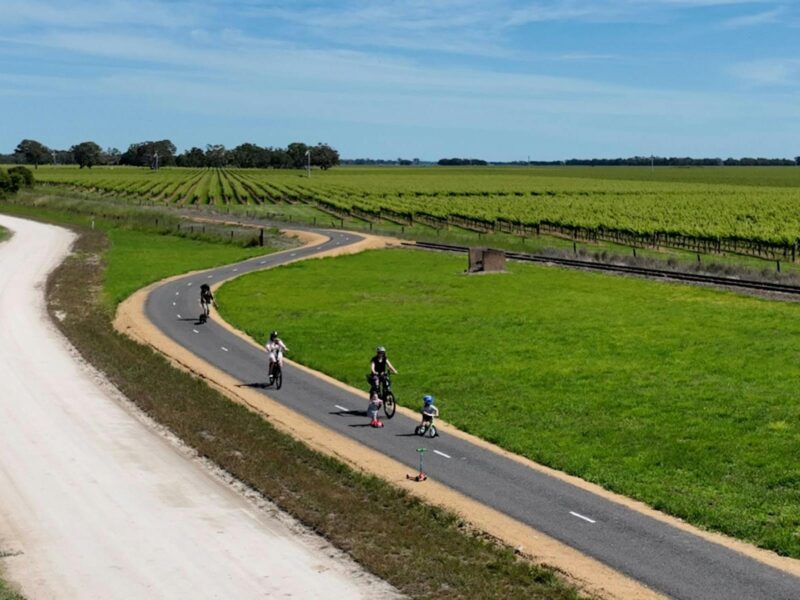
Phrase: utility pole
[308,161]
[53,153]
[155,161]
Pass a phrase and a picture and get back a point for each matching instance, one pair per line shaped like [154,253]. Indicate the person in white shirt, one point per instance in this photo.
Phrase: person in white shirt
[275,348]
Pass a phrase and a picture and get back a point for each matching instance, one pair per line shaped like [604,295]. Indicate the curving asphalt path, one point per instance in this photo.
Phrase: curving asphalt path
[673,562]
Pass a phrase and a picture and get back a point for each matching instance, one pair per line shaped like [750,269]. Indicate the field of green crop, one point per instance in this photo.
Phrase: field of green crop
[683,397]
[758,203]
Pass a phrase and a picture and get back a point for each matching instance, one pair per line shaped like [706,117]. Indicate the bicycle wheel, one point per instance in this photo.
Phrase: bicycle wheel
[432,433]
[277,377]
[389,405]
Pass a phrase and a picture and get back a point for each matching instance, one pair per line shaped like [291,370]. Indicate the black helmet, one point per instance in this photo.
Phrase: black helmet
[204,287]
[273,335]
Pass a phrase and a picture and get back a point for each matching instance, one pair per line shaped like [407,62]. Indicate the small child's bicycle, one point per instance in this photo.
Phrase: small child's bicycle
[426,428]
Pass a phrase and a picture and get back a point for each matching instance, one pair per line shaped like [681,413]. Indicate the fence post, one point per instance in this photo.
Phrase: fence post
[261,237]
[778,265]
[634,252]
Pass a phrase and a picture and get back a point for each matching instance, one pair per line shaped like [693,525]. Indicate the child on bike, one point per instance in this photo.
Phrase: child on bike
[429,411]
[375,404]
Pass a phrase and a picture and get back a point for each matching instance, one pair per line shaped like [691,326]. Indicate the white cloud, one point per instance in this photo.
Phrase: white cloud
[84,14]
[772,72]
[762,18]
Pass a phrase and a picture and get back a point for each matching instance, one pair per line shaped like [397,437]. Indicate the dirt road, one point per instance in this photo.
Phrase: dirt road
[95,502]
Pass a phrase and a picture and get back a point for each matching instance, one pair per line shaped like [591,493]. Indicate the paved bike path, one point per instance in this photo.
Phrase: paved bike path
[670,560]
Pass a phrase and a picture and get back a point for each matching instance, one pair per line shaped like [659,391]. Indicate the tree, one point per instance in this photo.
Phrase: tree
[249,156]
[297,154]
[111,156]
[87,154]
[33,152]
[324,157]
[194,157]
[143,154]
[216,155]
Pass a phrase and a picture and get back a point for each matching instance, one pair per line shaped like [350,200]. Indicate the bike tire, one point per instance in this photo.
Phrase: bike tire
[389,405]
[432,433]
[419,430]
[278,378]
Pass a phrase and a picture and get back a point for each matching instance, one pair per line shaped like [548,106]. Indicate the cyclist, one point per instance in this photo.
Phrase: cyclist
[429,411]
[377,368]
[206,300]
[275,348]
[375,404]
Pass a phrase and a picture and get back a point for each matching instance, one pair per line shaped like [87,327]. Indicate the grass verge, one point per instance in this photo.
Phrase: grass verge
[422,550]
[679,396]
[4,234]
[7,593]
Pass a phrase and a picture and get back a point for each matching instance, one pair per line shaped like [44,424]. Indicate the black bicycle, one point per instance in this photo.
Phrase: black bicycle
[276,373]
[385,393]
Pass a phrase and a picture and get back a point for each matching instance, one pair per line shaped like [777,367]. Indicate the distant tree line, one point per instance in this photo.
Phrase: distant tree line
[385,161]
[461,162]
[661,161]
[163,153]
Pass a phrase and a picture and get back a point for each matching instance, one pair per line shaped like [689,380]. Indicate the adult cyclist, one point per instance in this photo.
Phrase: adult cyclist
[378,366]
[206,300]
[275,348]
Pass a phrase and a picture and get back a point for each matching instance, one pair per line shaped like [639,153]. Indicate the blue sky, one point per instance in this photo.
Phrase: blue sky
[501,80]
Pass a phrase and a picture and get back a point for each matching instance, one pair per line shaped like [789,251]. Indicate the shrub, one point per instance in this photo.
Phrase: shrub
[22,173]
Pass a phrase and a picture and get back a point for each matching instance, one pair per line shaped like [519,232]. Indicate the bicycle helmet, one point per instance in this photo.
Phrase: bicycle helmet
[380,349]
[427,399]
[273,335]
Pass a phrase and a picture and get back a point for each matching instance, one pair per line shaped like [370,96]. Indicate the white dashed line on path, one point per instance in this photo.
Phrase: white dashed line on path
[195,330]
[180,317]
[224,349]
[235,270]
[293,254]
[442,454]
[580,516]
[342,408]
[177,293]
[263,262]
[210,276]
[189,284]
[174,304]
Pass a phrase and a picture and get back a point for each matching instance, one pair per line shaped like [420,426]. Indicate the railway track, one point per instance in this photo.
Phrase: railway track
[627,269]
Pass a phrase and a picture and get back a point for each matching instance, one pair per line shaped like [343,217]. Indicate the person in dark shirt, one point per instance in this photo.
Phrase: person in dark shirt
[378,366]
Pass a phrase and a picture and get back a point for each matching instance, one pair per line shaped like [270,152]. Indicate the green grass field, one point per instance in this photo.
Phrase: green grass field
[683,397]
[4,234]
[137,259]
